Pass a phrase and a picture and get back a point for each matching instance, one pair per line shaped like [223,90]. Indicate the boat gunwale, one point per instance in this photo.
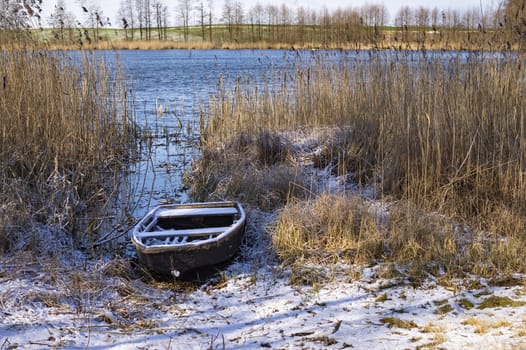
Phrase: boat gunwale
[161,248]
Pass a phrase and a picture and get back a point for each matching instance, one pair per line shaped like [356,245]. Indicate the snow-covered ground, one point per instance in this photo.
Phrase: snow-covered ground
[75,301]
[104,304]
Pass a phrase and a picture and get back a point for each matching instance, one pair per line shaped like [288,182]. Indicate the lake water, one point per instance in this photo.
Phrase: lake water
[168,87]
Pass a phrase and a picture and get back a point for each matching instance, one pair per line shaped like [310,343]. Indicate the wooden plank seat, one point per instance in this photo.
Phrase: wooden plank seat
[187,232]
[178,212]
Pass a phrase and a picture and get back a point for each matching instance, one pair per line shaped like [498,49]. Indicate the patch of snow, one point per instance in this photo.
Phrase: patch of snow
[76,302]
[256,309]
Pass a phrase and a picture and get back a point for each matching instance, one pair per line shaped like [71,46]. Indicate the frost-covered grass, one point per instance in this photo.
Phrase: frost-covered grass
[378,218]
[440,141]
[105,304]
[76,300]
[64,135]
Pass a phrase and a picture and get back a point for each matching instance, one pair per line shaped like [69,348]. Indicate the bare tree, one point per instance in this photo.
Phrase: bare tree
[374,17]
[183,13]
[422,22]
[325,25]
[301,21]
[205,18]
[143,15]
[403,17]
[239,16]
[157,7]
[165,22]
[16,18]
[148,18]
[228,17]
[435,15]
[272,21]
[422,17]
[94,20]
[255,15]
[61,20]
[127,18]
[201,12]
[285,21]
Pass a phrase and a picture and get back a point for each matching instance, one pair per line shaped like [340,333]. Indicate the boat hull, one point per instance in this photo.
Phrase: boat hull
[177,262]
[175,239]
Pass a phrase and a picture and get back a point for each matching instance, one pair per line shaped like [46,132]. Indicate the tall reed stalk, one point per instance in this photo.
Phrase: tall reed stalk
[443,132]
[431,128]
[64,134]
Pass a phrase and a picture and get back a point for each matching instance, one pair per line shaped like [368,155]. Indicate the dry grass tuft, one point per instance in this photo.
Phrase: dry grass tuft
[507,281]
[497,302]
[328,228]
[255,170]
[465,303]
[398,323]
[304,274]
[427,241]
[439,336]
[347,152]
[484,326]
[432,328]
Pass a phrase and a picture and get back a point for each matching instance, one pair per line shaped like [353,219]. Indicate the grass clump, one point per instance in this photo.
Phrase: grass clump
[347,152]
[484,326]
[444,309]
[382,298]
[506,281]
[328,228]
[253,168]
[425,241]
[398,323]
[465,303]
[303,275]
[497,301]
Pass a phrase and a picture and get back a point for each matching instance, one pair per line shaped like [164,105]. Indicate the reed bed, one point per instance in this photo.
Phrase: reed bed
[444,133]
[184,45]
[65,134]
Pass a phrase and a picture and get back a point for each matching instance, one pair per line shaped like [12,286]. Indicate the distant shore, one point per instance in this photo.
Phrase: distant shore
[308,38]
[200,45]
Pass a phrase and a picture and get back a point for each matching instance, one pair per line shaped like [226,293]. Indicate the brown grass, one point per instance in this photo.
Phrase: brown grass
[498,302]
[484,326]
[253,168]
[64,135]
[445,135]
[398,323]
[328,229]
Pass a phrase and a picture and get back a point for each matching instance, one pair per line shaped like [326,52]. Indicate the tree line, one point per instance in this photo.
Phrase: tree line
[197,20]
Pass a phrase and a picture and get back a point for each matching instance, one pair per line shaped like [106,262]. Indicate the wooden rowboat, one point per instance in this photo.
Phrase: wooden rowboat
[178,238]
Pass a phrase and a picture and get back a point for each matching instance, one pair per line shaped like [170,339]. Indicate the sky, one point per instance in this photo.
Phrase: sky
[110,8]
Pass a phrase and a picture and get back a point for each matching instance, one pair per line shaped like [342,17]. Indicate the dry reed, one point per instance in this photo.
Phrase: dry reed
[445,133]
[64,135]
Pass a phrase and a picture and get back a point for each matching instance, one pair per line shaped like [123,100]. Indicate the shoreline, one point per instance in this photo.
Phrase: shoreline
[380,46]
